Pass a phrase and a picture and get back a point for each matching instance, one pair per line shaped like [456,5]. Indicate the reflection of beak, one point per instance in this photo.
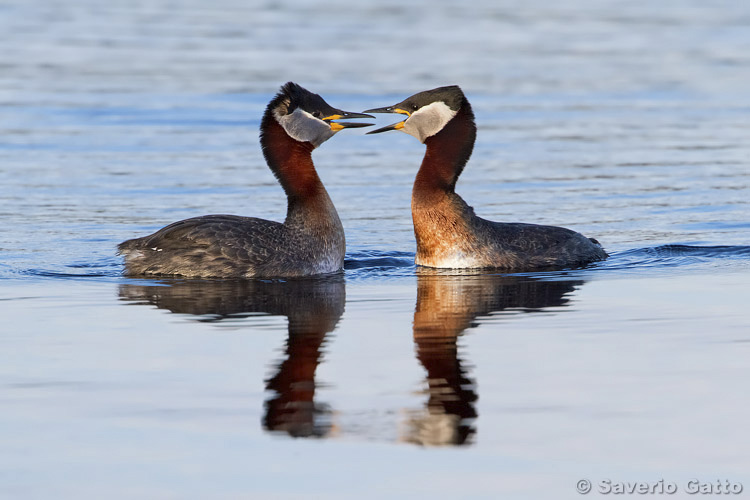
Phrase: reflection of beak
[389,109]
[346,115]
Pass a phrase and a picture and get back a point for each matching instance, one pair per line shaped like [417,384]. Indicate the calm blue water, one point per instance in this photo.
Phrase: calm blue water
[628,122]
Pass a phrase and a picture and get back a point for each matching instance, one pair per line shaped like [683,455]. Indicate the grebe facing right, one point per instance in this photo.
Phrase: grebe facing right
[311,239]
[448,233]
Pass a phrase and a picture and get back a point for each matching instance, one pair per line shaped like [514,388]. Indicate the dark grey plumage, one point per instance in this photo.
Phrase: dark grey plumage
[516,245]
[233,246]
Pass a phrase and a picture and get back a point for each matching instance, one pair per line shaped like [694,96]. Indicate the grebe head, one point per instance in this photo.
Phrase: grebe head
[306,117]
[426,112]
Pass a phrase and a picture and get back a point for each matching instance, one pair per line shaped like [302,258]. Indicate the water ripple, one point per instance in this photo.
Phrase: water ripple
[664,256]
[377,265]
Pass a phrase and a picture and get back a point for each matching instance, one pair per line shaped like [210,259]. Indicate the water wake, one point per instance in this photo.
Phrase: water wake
[671,256]
[378,265]
[374,264]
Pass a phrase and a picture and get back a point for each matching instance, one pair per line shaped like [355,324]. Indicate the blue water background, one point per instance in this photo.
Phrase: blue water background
[626,121]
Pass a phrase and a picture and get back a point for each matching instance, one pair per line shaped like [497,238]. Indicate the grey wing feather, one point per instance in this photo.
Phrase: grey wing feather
[534,245]
[211,245]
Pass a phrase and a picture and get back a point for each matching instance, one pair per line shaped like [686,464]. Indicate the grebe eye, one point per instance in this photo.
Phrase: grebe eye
[317,114]
[414,107]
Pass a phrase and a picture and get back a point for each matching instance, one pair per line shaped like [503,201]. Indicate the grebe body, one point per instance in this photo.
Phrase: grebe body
[448,232]
[311,239]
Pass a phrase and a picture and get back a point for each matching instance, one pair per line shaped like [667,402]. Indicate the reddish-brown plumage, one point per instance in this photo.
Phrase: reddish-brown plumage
[439,219]
[290,161]
[446,155]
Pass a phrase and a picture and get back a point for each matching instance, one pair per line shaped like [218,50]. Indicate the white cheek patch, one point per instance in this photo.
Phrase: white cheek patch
[304,127]
[429,120]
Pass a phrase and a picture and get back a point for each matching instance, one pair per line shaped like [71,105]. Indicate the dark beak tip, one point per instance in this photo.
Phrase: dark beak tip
[386,109]
[346,115]
[356,125]
[383,129]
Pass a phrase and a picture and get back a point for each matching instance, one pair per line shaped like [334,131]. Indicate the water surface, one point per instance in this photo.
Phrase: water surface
[626,122]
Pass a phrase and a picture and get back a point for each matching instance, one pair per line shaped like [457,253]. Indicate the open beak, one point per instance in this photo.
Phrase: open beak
[389,109]
[346,115]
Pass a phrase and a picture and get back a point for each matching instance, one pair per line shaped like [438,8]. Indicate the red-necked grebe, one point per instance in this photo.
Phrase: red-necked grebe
[448,233]
[309,242]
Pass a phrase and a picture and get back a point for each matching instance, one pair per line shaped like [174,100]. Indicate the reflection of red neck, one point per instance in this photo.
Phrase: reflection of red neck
[442,313]
[293,407]
[446,155]
[295,380]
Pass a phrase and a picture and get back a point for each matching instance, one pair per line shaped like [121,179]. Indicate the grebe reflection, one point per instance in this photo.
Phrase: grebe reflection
[313,307]
[446,306]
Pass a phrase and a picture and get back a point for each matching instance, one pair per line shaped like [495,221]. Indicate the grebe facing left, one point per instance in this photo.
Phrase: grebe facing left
[448,233]
[311,239]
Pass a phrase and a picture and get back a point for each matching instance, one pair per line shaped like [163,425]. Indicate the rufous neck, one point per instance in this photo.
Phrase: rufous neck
[291,162]
[446,155]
